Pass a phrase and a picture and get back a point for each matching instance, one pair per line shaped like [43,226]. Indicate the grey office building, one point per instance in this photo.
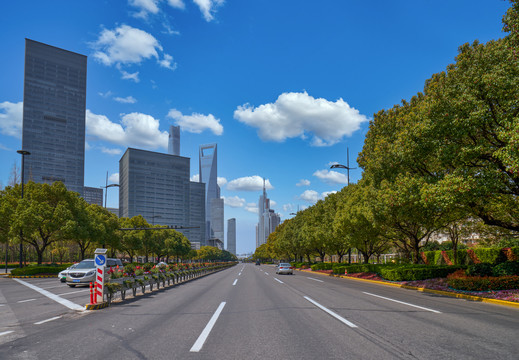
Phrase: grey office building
[231,236]
[93,195]
[157,186]
[54,100]
[174,140]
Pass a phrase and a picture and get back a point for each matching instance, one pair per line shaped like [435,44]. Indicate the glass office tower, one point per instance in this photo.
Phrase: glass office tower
[231,236]
[209,175]
[54,107]
[157,186]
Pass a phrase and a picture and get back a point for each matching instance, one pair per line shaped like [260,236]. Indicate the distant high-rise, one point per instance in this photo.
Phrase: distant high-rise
[54,107]
[157,186]
[93,195]
[174,140]
[209,175]
[268,220]
[231,236]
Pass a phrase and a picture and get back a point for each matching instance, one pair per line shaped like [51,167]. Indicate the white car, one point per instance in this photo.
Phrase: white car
[62,276]
[285,268]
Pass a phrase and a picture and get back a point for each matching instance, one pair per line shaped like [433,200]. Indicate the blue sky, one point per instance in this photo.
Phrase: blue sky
[283,87]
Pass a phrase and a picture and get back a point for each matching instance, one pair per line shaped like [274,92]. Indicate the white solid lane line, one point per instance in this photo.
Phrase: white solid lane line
[314,279]
[235,281]
[207,330]
[279,281]
[22,301]
[51,296]
[401,302]
[6,332]
[338,317]
[44,321]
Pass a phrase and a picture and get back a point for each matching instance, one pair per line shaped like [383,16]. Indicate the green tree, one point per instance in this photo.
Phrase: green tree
[42,214]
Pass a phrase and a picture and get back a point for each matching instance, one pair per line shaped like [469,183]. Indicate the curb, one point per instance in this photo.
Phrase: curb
[96,306]
[437,292]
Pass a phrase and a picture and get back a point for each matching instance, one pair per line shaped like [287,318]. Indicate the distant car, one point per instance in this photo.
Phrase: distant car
[84,273]
[285,268]
[62,276]
[258,262]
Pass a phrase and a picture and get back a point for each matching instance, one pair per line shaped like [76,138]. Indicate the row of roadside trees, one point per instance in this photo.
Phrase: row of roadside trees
[51,217]
[446,161]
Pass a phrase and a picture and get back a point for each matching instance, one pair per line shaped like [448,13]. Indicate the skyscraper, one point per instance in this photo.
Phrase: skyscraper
[157,186]
[268,220]
[54,101]
[231,236]
[209,175]
[174,140]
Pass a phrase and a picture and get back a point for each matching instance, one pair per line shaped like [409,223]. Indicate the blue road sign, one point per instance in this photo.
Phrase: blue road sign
[100,259]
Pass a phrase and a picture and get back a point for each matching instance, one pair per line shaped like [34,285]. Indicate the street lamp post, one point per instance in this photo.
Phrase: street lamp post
[348,168]
[108,186]
[23,153]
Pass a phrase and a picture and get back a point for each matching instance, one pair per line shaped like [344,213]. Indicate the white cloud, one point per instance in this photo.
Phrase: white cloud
[106,94]
[167,62]
[312,196]
[326,193]
[234,201]
[130,76]
[221,181]
[331,177]
[126,100]
[179,4]
[134,130]
[11,119]
[303,182]
[273,203]
[111,151]
[252,207]
[195,178]
[145,7]
[114,178]
[208,7]
[249,183]
[298,115]
[125,45]
[196,123]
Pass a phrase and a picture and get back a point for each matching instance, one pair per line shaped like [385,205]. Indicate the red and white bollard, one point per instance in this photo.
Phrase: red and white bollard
[92,294]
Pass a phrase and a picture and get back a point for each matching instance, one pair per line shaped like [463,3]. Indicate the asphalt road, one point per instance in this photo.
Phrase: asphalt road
[249,312]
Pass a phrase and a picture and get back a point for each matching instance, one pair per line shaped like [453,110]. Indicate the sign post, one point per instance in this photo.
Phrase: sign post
[100,261]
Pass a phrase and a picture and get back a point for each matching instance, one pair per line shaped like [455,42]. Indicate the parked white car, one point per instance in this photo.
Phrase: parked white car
[62,276]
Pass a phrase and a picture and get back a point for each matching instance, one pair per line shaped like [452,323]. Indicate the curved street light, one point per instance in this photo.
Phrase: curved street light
[347,167]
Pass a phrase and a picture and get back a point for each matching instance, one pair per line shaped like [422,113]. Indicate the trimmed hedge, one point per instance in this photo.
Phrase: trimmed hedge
[322,266]
[506,269]
[39,270]
[491,255]
[414,272]
[483,283]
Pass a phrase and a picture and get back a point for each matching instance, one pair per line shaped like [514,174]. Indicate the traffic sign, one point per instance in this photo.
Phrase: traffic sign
[100,259]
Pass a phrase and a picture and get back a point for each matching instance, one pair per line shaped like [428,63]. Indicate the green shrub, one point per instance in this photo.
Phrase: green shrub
[322,266]
[413,272]
[430,256]
[438,258]
[491,255]
[482,269]
[483,283]
[38,270]
[506,269]
[462,256]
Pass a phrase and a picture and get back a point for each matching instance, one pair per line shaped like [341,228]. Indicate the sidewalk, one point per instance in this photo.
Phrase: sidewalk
[3,273]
